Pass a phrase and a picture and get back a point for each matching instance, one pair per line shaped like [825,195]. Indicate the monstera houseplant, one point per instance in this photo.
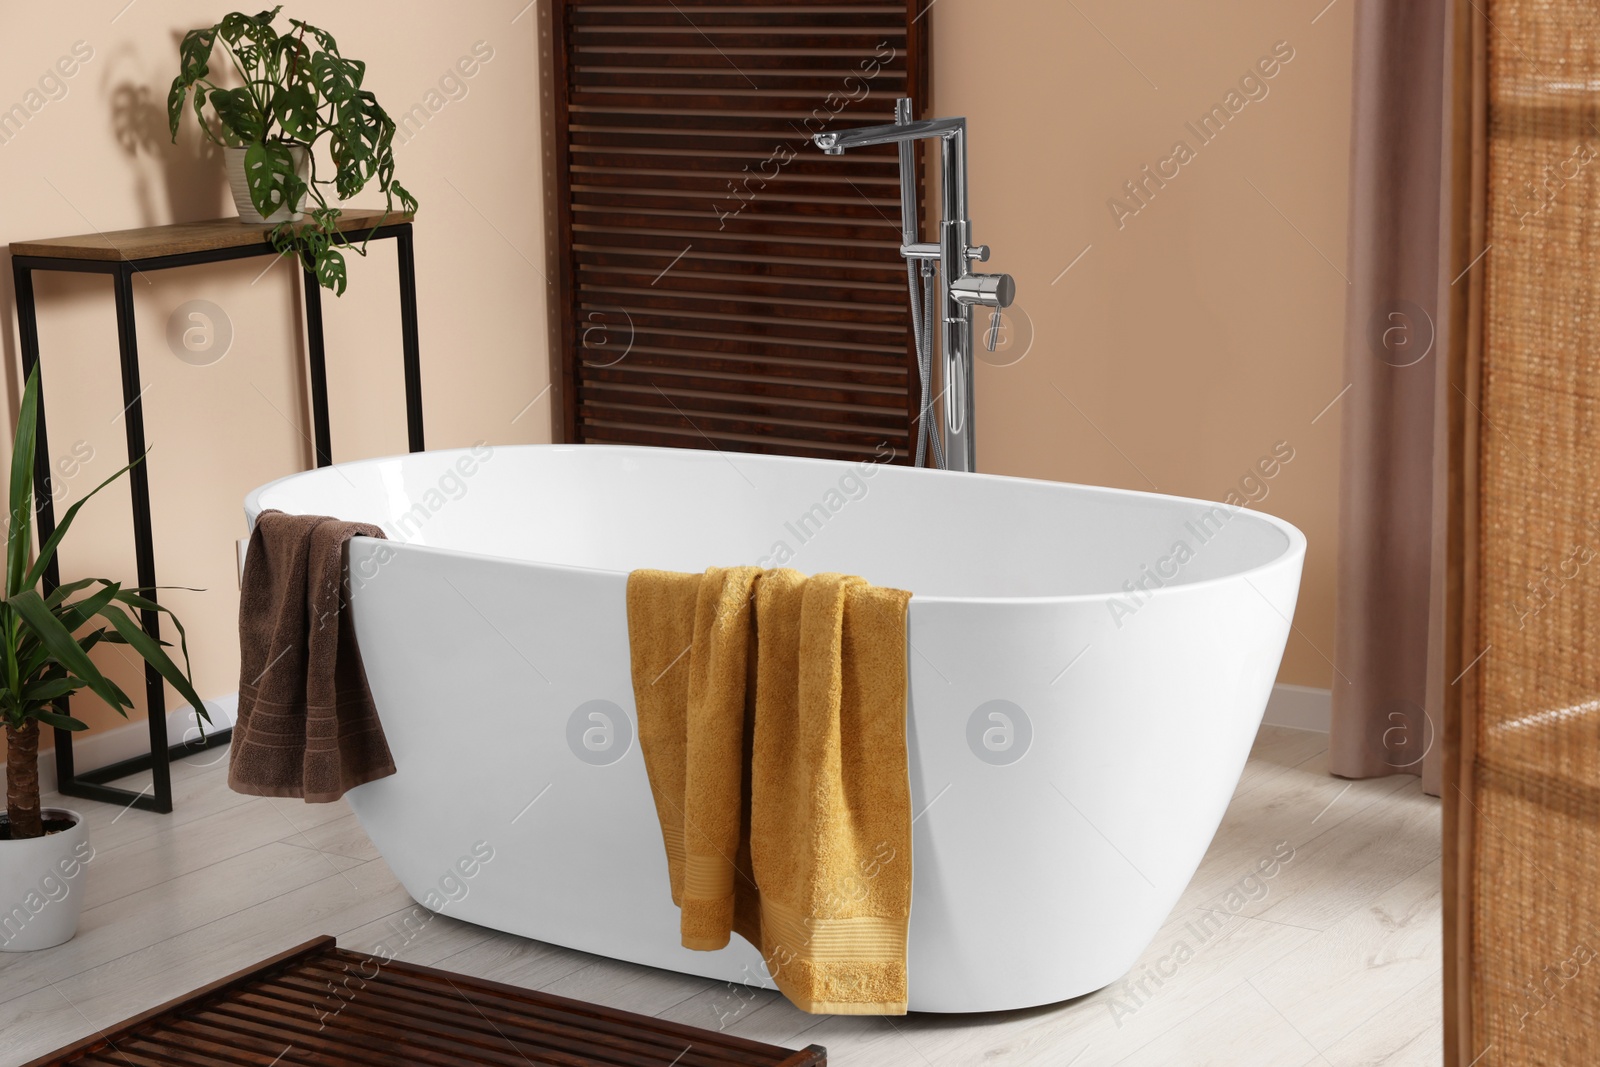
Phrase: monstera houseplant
[296,91]
[47,639]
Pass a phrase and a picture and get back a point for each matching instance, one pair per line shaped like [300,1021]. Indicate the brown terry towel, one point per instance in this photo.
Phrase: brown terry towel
[306,725]
[775,744]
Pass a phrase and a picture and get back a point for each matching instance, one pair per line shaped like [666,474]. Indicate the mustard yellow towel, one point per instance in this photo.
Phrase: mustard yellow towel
[774,739]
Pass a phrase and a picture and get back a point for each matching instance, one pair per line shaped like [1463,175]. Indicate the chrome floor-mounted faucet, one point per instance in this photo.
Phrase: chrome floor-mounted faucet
[960,289]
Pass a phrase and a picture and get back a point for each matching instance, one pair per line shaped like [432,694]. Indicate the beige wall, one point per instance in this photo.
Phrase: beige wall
[1187,343]
[98,158]
[1207,328]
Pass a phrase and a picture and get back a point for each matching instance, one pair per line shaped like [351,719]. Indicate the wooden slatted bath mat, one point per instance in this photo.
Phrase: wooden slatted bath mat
[321,1004]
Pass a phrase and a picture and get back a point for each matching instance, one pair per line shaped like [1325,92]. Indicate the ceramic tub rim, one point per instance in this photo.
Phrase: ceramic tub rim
[1292,556]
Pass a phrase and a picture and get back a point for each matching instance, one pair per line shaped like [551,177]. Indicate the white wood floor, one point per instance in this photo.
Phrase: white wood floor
[1336,963]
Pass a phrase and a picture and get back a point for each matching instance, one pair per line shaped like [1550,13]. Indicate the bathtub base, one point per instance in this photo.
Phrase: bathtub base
[740,967]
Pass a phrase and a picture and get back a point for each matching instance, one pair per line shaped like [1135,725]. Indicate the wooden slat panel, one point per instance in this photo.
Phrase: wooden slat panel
[321,1004]
[697,6]
[713,159]
[704,31]
[892,295]
[744,222]
[724,284]
[878,276]
[668,81]
[708,344]
[713,123]
[733,244]
[749,423]
[600,432]
[750,141]
[784,184]
[711,71]
[770,20]
[751,385]
[657,397]
[612,336]
[866,323]
[853,372]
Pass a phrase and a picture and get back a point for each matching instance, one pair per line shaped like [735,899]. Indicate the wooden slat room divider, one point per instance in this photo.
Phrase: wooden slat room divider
[722,283]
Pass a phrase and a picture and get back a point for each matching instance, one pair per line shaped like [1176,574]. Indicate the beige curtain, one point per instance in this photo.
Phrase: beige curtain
[1389,689]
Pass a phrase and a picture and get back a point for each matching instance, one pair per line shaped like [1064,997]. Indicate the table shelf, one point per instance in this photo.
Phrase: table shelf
[122,254]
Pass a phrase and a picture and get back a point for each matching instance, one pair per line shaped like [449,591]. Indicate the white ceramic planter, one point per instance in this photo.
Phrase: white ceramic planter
[240,186]
[42,885]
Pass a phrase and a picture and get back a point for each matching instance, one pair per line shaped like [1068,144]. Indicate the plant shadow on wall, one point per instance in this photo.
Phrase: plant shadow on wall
[296,92]
[181,185]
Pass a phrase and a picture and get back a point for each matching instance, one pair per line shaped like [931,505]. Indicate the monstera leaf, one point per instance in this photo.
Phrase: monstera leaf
[194,59]
[250,36]
[294,59]
[337,78]
[269,172]
[331,271]
[295,108]
[240,116]
[323,38]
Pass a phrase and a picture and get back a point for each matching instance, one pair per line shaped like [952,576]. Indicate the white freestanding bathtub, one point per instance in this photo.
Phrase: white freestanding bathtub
[1088,669]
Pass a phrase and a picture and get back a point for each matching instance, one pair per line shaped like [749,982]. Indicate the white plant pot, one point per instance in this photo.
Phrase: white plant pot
[240,186]
[42,885]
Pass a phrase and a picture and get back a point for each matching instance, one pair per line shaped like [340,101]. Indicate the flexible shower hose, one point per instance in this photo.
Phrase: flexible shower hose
[922,337]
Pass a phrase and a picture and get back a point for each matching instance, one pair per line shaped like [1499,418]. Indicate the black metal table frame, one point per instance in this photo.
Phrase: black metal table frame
[91,784]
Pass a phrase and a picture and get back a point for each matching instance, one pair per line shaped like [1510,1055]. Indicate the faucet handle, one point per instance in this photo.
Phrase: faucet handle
[991,336]
[978,253]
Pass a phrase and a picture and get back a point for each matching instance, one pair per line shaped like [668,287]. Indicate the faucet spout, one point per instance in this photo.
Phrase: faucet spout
[834,143]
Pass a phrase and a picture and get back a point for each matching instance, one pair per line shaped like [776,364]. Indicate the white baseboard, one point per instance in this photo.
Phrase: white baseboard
[1300,707]
[100,748]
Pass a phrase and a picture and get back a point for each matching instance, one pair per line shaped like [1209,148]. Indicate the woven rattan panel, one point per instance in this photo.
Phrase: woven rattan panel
[1536,909]
[723,283]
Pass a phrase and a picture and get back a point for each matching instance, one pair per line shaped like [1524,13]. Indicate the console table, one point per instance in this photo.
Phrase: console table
[122,254]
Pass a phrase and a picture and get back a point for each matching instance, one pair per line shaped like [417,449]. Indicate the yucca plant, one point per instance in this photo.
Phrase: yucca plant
[47,637]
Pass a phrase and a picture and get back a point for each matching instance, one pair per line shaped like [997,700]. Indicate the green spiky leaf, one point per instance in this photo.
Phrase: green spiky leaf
[50,689]
[19,530]
[74,615]
[47,551]
[64,649]
[149,648]
[59,721]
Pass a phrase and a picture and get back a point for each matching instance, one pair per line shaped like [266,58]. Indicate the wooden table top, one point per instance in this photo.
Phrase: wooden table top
[178,238]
